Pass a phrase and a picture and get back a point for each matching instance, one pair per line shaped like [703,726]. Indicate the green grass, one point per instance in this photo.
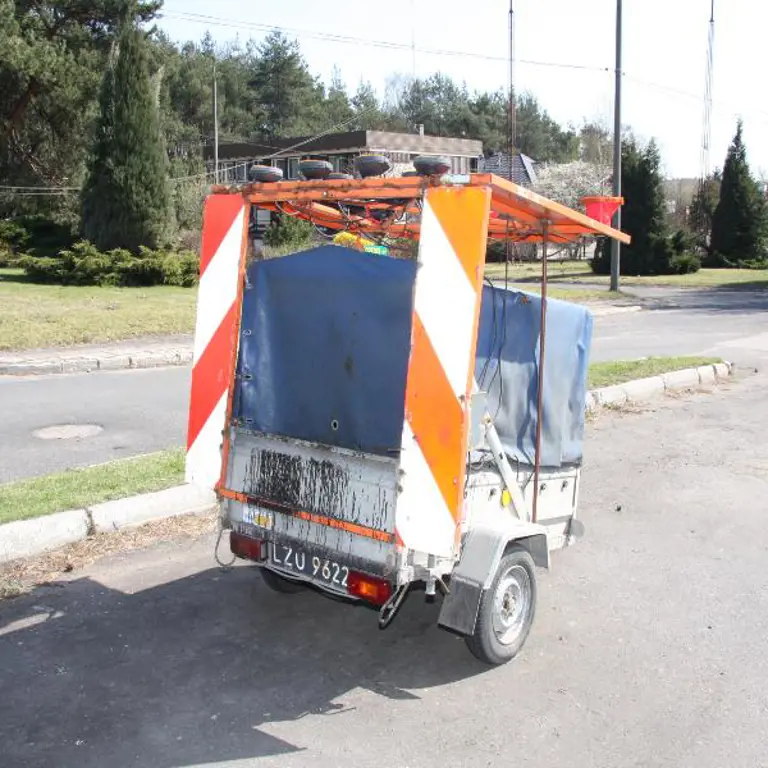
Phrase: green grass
[620,371]
[52,316]
[580,272]
[80,488]
[577,295]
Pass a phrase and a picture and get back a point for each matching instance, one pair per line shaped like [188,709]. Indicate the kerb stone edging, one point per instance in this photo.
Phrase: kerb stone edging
[640,390]
[26,538]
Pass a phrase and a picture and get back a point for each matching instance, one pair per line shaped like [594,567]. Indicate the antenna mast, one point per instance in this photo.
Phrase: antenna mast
[706,136]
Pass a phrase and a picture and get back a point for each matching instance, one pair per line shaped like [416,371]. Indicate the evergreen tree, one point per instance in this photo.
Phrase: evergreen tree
[702,210]
[739,224]
[642,216]
[125,201]
[366,108]
[290,96]
[337,108]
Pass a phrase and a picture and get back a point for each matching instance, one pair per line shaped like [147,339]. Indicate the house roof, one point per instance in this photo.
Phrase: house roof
[352,141]
[523,168]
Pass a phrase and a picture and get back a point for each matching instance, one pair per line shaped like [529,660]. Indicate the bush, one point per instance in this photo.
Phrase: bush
[46,236]
[660,256]
[84,264]
[685,263]
[288,232]
[13,239]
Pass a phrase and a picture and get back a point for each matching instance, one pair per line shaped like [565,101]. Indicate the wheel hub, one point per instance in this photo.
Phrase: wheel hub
[512,602]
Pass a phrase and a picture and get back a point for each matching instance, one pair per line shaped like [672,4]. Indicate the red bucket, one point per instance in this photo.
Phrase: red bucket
[602,208]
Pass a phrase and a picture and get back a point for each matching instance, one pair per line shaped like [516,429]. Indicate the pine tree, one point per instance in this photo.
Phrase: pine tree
[739,224]
[125,201]
[702,210]
[338,110]
[366,107]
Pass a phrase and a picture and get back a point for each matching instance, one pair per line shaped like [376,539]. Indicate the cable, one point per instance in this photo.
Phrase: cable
[200,18]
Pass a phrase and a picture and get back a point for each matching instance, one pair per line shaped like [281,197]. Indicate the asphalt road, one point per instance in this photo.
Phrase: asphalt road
[648,649]
[140,412]
[143,411]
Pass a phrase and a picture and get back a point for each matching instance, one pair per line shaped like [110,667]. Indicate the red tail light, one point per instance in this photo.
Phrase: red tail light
[247,548]
[368,588]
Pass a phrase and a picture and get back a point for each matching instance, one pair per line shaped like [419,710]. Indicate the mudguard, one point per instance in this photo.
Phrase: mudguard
[481,553]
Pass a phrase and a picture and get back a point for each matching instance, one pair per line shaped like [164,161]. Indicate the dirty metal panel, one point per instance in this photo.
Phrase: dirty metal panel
[297,483]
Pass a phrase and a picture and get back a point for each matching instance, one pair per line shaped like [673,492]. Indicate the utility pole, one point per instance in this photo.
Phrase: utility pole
[512,138]
[615,246]
[413,39]
[215,125]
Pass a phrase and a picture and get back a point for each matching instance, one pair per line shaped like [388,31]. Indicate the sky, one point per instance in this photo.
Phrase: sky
[664,58]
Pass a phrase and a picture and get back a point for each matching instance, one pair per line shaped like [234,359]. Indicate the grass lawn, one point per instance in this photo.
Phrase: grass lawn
[580,272]
[619,371]
[80,488]
[51,316]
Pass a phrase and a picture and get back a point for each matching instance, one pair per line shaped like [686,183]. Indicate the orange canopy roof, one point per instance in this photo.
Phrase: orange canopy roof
[517,213]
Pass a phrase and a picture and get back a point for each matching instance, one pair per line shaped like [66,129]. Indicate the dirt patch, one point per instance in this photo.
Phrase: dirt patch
[22,576]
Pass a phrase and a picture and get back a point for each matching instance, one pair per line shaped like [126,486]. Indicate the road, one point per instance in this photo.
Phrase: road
[143,411]
[648,649]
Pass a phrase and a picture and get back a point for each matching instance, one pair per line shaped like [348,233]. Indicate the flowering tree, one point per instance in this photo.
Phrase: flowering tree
[569,182]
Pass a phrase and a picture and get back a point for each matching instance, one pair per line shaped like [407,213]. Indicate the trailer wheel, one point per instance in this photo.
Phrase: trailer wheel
[506,609]
[279,584]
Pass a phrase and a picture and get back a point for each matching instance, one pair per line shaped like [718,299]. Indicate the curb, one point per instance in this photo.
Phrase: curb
[641,390]
[86,364]
[26,538]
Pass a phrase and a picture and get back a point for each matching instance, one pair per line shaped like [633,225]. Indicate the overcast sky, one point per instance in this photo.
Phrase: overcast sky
[665,44]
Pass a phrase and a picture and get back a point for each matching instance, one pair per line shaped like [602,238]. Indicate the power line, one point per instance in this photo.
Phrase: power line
[199,18]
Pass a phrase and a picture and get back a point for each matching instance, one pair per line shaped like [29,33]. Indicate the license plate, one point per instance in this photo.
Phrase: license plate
[315,567]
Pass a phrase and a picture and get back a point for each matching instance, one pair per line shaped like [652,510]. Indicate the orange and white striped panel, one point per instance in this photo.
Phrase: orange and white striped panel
[221,259]
[454,226]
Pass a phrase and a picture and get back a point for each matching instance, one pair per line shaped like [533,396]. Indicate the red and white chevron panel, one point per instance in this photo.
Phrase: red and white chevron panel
[223,252]
[454,226]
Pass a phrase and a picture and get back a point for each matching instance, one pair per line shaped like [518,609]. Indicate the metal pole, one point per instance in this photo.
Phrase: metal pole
[512,104]
[215,125]
[540,381]
[413,39]
[615,246]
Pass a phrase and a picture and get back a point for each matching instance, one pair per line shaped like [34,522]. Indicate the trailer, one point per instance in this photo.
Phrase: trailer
[376,420]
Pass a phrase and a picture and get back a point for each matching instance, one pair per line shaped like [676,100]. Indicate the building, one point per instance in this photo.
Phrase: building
[341,149]
[523,168]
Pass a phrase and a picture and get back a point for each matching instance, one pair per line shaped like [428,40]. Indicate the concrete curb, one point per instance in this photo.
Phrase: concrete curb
[26,538]
[642,390]
[86,364]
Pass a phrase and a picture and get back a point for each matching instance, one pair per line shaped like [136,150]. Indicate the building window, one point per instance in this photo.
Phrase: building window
[293,168]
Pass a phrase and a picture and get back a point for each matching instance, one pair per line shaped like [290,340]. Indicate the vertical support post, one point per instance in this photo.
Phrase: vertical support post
[215,124]
[615,245]
[540,378]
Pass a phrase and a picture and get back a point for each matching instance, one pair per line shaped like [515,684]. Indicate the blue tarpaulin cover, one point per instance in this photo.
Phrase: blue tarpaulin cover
[325,340]
[507,369]
[325,343]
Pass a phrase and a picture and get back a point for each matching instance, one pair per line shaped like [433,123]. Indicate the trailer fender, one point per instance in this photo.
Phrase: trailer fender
[482,551]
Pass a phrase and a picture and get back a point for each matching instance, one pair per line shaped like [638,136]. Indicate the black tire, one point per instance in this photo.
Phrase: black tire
[280,584]
[491,642]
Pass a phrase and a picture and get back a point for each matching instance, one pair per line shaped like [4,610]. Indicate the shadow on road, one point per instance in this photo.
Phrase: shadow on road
[191,671]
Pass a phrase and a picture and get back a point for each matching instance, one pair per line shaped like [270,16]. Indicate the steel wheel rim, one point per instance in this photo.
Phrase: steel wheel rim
[511,604]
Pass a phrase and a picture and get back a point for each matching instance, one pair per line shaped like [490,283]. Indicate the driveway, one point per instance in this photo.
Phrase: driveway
[649,647]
